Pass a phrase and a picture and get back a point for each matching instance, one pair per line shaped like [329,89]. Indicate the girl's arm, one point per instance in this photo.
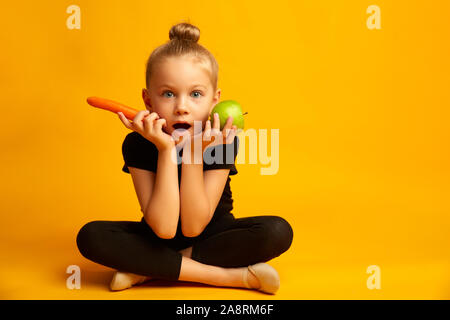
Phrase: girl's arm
[163,208]
[200,193]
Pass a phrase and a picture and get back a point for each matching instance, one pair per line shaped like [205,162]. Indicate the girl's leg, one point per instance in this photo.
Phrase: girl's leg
[243,242]
[127,246]
[222,258]
[124,280]
[195,271]
[130,247]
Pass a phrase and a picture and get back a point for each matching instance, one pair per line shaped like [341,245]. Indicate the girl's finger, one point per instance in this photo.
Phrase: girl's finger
[231,135]
[208,125]
[137,124]
[150,118]
[229,131]
[124,120]
[140,115]
[149,121]
[228,124]
[159,123]
[207,131]
[216,123]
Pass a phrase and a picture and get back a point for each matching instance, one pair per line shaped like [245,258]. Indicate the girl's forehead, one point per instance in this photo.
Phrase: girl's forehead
[183,63]
[181,70]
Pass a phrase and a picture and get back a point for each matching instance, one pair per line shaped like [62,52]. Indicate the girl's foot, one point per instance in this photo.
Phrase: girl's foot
[125,280]
[252,281]
[267,278]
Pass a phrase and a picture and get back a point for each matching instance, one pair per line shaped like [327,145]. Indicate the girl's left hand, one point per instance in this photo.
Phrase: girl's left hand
[215,135]
[212,136]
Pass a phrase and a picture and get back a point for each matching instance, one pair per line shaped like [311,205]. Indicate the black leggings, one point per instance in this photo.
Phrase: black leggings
[132,246]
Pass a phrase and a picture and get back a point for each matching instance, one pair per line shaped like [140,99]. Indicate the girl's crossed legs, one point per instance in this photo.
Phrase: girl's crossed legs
[215,257]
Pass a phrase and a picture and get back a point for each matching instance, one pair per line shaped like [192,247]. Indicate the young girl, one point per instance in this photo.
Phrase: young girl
[187,232]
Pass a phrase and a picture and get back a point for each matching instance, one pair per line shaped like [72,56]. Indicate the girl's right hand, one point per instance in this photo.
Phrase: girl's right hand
[150,128]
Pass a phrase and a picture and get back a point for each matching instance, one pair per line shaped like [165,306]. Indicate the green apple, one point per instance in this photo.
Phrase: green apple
[229,108]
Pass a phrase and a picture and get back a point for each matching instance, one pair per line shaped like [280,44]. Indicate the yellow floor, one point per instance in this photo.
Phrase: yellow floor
[36,269]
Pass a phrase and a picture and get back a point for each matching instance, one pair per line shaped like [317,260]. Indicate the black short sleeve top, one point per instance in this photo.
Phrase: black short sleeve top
[138,152]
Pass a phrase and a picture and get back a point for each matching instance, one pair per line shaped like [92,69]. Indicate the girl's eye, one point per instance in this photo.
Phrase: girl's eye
[169,94]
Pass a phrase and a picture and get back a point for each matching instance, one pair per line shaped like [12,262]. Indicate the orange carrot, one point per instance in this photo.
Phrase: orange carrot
[112,106]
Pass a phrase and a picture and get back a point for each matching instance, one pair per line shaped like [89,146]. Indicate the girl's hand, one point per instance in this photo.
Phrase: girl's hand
[210,137]
[215,135]
[150,128]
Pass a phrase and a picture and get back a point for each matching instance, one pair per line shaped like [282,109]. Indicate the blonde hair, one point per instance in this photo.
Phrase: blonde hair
[183,42]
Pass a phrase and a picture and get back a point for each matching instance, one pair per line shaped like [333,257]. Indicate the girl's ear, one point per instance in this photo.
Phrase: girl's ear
[146,98]
[218,95]
[216,99]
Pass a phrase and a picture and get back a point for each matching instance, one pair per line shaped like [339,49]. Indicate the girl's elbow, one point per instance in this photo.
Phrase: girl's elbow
[191,233]
[192,227]
[191,230]
[162,231]
[166,235]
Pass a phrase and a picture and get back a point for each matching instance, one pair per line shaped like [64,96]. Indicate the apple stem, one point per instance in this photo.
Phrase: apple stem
[244,113]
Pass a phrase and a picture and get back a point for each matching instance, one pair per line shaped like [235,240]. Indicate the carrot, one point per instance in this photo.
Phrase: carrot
[112,106]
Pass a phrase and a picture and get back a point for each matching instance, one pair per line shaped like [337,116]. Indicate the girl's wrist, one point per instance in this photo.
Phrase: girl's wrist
[165,147]
[168,155]
[192,156]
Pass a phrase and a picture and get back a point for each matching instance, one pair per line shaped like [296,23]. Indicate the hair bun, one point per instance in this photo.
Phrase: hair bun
[184,31]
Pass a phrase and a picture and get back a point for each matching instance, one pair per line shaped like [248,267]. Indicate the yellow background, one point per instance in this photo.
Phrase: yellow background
[364,141]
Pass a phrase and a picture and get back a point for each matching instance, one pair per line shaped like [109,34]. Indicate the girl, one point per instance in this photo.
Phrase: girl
[187,232]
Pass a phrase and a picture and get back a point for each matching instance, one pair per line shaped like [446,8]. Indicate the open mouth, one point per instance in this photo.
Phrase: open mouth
[181,125]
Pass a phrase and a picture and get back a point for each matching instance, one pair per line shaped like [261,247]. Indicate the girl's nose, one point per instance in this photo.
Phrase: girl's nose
[181,107]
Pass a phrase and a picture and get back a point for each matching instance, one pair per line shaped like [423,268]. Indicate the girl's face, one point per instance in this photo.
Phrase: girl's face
[180,90]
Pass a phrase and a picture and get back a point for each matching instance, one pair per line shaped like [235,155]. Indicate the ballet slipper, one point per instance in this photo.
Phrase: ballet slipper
[267,276]
[125,280]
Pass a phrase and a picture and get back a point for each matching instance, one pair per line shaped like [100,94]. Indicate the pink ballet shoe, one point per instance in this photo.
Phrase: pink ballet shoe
[267,276]
[125,280]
